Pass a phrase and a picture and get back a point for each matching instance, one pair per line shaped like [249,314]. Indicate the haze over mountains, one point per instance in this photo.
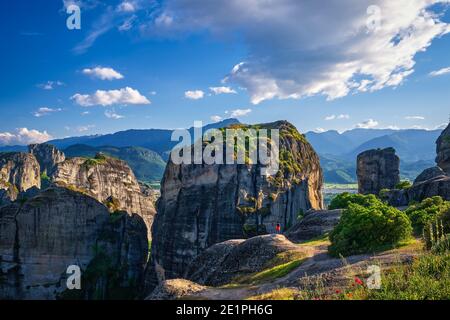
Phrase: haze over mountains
[147,150]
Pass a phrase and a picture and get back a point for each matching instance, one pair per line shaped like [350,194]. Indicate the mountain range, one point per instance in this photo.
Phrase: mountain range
[147,150]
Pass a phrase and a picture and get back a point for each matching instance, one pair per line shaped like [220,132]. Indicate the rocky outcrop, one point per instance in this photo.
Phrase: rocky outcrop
[48,156]
[174,289]
[223,262]
[41,237]
[377,170]
[201,205]
[429,174]
[443,150]
[110,181]
[314,224]
[18,173]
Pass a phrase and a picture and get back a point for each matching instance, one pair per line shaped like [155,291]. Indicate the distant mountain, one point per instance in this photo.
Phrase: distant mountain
[158,140]
[338,151]
[146,164]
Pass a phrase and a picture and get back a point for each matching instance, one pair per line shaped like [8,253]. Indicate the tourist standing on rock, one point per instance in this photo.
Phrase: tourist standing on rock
[278,228]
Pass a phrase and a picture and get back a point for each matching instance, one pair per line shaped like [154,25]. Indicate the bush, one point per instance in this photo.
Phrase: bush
[366,229]
[343,200]
[403,185]
[423,213]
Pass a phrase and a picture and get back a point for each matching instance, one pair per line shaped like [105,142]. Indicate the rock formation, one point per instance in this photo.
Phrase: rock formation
[48,156]
[314,224]
[377,170]
[18,173]
[443,150]
[201,205]
[223,262]
[429,174]
[110,181]
[41,237]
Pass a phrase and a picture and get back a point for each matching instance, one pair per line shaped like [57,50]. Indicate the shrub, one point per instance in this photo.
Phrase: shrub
[423,213]
[343,200]
[403,185]
[369,229]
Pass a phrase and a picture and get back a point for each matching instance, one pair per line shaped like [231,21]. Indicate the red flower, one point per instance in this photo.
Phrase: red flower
[338,291]
[359,281]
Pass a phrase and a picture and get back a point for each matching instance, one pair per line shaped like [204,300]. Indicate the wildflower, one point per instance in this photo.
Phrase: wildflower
[338,291]
[358,281]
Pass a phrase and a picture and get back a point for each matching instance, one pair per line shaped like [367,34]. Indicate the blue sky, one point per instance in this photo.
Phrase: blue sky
[148,55]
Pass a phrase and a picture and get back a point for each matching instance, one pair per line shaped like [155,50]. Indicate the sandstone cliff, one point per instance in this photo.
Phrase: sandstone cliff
[201,205]
[47,155]
[443,150]
[42,236]
[377,170]
[110,181]
[18,173]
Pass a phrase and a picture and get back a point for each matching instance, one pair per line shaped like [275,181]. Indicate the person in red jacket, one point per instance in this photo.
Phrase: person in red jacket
[278,228]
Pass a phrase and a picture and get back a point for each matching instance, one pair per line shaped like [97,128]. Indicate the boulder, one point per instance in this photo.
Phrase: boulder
[201,205]
[48,156]
[377,170]
[41,237]
[429,174]
[314,224]
[222,262]
[443,150]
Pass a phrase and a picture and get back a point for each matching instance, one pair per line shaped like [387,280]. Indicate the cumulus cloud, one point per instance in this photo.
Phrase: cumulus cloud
[194,95]
[126,6]
[240,112]
[222,90]
[110,97]
[368,124]
[415,118]
[23,136]
[103,73]
[113,115]
[308,57]
[50,85]
[440,72]
[45,111]
[216,118]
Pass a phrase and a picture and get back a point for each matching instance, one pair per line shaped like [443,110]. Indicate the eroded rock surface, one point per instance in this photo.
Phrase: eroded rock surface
[377,170]
[223,262]
[314,224]
[18,173]
[41,237]
[110,181]
[201,205]
[48,156]
[429,174]
[443,150]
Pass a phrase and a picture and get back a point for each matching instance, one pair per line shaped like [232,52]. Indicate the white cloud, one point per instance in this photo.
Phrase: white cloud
[319,130]
[85,113]
[440,72]
[222,90]
[45,111]
[194,95]
[368,124]
[339,117]
[24,136]
[107,98]
[216,118]
[103,73]
[126,6]
[113,115]
[50,85]
[240,112]
[85,128]
[315,49]
[415,118]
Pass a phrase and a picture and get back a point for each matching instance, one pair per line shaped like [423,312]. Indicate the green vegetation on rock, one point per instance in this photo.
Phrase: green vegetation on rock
[425,212]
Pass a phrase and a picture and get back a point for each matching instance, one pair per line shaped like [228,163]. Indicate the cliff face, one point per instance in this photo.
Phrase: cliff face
[47,155]
[41,237]
[110,181]
[201,205]
[18,173]
[443,150]
[377,170]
